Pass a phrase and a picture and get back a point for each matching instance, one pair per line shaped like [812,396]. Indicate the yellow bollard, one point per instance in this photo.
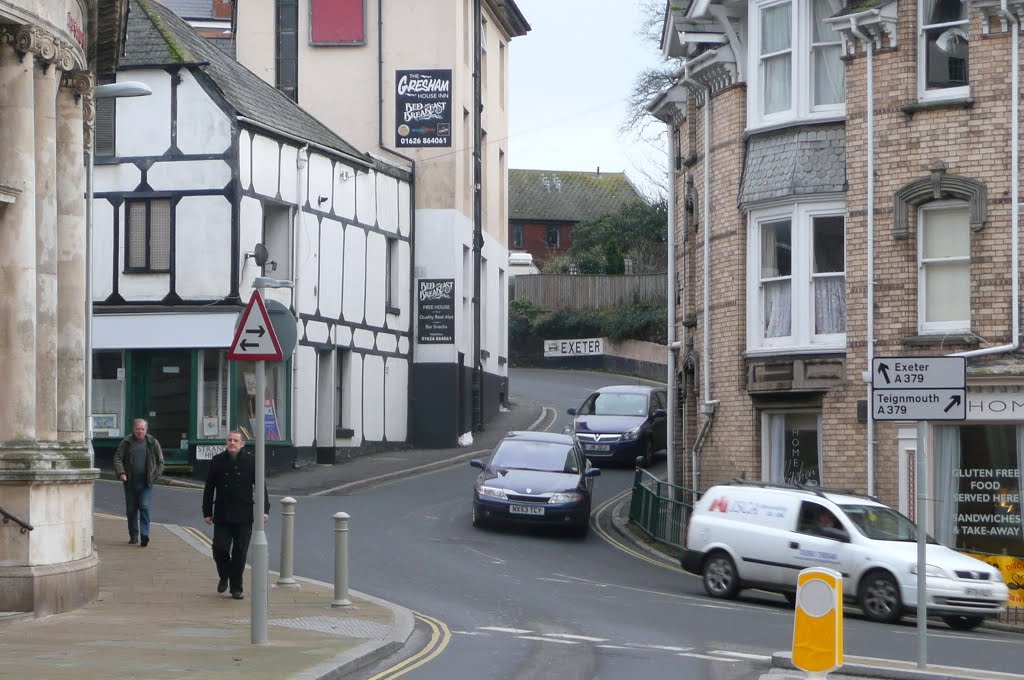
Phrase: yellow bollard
[818,628]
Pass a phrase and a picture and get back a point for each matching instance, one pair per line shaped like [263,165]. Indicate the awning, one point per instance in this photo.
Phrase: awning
[163,331]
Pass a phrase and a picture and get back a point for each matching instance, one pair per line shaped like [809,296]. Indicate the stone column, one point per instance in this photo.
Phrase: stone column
[45,88]
[75,92]
[18,254]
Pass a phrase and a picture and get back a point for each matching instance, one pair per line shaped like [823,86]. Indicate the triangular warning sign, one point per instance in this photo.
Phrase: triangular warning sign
[255,339]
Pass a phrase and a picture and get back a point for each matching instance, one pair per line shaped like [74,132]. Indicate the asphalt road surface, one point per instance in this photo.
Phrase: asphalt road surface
[508,604]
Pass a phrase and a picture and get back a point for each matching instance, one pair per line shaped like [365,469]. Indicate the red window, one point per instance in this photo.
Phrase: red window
[337,22]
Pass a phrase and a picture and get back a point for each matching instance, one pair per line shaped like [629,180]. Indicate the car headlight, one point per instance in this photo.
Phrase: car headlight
[492,492]
[567,497]
[630,435]
[930,570]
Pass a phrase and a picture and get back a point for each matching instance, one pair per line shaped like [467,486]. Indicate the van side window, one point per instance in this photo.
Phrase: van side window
[813,518]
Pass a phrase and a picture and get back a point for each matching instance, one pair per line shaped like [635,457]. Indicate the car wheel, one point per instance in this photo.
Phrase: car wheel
[648,454]
[879,597]
[720,577]
[960,622]
[478,521]
[581,530]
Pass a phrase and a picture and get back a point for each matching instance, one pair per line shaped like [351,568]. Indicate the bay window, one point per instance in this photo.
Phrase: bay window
[787,87]
[797,279]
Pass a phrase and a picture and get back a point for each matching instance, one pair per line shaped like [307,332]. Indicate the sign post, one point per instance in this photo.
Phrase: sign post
[921,389]
[255,340]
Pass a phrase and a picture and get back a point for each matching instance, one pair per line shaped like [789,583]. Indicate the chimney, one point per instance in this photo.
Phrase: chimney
[222,9]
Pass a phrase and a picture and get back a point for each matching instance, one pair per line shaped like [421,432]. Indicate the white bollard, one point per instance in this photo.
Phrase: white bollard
[286,578]
[341,561]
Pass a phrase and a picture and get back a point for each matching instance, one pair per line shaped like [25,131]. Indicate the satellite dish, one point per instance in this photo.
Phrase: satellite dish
[260,254]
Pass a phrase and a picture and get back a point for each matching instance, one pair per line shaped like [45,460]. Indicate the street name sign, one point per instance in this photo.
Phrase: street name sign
[255,339]
[574,348]
[919,388]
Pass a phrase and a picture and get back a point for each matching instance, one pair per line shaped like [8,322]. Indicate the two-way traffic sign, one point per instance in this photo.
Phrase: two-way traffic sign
[919,388]
[255,339]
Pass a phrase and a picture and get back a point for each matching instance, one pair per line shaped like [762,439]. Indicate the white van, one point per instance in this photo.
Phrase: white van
[757,535]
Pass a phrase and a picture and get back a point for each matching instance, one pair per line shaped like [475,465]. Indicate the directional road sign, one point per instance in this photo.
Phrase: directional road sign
[255,339]
[919,388]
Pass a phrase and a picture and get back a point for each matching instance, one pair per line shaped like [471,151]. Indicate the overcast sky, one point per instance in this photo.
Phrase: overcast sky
[569,80]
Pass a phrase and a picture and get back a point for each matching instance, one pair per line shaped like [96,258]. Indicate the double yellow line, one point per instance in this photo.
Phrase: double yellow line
[440,636]
[620,545]
[198,535]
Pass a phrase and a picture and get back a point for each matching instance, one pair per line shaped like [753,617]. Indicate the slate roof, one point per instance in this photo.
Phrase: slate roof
[856,6]
[794,162]
[566,195]
[191,9]
[158,37]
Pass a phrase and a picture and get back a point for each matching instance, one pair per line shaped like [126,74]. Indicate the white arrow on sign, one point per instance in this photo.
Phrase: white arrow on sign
[255,339]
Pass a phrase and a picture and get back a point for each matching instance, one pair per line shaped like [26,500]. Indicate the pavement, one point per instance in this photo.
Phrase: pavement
[158,614]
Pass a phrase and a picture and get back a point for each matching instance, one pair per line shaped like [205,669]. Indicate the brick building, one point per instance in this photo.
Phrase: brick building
[544,206]
[780,175]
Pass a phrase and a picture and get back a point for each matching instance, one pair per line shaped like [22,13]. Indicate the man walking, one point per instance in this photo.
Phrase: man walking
[228,506]
[138,462]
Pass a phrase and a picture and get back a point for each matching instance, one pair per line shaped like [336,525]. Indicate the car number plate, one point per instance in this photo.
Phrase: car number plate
[526,510]
[597,447]
[978,592]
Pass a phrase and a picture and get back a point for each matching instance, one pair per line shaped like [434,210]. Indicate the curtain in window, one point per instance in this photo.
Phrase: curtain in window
[776,57]
[829,305]
[947,459]
[946,49]
[829,71]
[778,299]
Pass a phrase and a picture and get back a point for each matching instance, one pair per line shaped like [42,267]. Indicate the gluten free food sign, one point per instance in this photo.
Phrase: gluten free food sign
[423,103]
[436,314]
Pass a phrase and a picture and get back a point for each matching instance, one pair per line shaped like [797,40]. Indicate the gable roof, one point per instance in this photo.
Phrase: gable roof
[158,37]
[569,196]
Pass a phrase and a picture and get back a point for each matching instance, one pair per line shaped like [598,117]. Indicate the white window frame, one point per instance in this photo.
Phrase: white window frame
[938,327]
[766,444]
[938,94]
[802,107]
[802,336]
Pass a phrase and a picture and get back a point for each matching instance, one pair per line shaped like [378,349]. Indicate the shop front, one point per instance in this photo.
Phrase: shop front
[190,396]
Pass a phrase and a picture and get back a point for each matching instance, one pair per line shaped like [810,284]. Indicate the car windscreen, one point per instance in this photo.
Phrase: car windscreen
[544,456]
[615,404]
[882,524]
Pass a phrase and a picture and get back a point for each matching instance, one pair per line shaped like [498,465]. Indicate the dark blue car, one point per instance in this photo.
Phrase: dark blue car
[621,423]
[535,478]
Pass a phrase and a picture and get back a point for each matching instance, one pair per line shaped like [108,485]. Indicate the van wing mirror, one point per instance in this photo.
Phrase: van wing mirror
[570,411]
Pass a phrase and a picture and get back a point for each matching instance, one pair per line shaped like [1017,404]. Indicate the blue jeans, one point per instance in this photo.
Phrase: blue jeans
[137,496]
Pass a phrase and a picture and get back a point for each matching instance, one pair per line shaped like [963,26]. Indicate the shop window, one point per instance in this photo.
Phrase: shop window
[791,448]
[337,22]
[977,473]
[275,407]
[286,75]
[212,408]
[944,284]
[148,235]
[942,49]
[108,394]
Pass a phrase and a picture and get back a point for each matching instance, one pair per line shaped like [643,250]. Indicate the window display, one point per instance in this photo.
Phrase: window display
[273,405]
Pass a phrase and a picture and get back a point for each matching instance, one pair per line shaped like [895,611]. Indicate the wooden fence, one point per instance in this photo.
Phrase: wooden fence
[584,291]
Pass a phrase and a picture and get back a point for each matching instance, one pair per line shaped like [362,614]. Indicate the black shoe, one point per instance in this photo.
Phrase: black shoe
[133,540]
[237,594]
[145,541]
[222,585]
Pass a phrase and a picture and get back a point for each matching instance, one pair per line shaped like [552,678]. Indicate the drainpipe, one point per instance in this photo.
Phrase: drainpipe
[869,45]
[673,346]
[1014,190]
[300,200]
[410,377]
[708,407]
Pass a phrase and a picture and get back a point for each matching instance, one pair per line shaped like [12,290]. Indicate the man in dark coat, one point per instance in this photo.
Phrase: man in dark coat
[228,506]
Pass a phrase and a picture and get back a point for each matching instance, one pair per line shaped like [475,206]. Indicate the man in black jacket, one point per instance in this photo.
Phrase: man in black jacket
[228,506]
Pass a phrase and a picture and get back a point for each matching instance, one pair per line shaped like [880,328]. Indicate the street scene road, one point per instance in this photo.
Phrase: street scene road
[524,604]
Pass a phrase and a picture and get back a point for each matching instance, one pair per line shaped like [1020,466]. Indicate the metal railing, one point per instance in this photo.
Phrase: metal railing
[660,509]
[25,526]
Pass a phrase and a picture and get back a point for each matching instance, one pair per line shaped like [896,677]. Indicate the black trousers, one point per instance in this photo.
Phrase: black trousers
[230,545]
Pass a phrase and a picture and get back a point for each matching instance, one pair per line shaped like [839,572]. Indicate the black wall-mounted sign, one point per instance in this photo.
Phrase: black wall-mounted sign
[423,108]
[436,314]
